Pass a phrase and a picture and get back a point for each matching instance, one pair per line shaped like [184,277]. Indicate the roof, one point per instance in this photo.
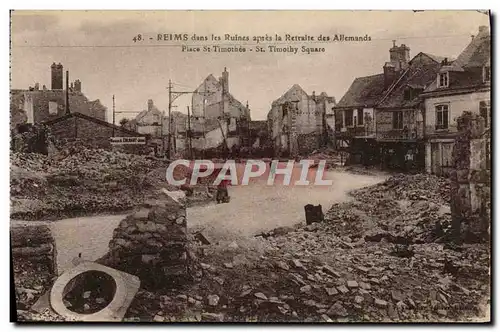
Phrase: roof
[477,53]
[92,119]
[317,98]
[364,91]
[436,58]
[418,76]
[467,70]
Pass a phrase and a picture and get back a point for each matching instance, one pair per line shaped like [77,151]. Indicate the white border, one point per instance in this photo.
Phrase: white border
[190,4]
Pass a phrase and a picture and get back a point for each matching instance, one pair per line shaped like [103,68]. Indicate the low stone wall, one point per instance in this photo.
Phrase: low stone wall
[34,258]
[151,243]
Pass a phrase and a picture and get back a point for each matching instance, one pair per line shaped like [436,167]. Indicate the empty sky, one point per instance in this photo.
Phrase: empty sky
[112,64]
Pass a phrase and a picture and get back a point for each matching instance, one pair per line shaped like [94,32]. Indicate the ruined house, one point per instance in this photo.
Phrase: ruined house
[298,121]
[39,104]
[214,107]
[461,85]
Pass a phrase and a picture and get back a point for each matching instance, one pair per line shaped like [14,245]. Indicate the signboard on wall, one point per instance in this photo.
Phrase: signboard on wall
[127,140]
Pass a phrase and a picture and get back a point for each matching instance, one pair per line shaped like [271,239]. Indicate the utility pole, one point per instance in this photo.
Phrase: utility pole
[189,135]
[169,119]
[113,115]
[67,92]
[172,96]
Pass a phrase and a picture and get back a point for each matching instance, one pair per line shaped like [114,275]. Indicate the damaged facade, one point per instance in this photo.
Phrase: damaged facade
[37,105]
[217,117]
[298,121]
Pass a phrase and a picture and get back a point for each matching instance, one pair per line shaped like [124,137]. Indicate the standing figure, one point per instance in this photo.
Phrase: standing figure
[222,192]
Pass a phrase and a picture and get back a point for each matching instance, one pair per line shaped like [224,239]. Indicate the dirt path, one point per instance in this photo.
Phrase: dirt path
[259,207]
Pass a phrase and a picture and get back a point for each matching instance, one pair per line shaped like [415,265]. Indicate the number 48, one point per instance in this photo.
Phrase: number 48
[137,38]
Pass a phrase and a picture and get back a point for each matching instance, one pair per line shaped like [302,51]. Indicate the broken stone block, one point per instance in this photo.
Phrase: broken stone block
[380,303]
[338,310]
[261,296]
[364,285]
[212,317]
[331,291]
[326,318]
[352,284]
[213,300]
[358,299]
[305,289]
[282,265]
[343,289]
[331,271]
[158,318]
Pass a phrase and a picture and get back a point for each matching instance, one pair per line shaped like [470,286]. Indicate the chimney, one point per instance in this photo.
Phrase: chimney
[225,80]
[314,95]
[389,74]
[71,87]
[78,86]
[44,87]
[57,76]
[37,86]
[399,56]
[150,105]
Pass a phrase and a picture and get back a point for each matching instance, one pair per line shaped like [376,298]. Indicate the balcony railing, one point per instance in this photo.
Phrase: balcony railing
[399,134]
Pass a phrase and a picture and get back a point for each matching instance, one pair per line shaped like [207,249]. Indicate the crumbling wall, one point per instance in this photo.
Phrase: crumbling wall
[34,258]
[151,243]
[308,142]
[471,180]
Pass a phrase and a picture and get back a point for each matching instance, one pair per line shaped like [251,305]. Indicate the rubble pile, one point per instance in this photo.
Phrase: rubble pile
[405,209]
[330,156]
[371,260]
[411,187]
[151,243]
[312,275]
[77,180]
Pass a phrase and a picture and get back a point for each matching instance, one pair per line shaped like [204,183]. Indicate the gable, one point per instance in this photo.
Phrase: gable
[294,93]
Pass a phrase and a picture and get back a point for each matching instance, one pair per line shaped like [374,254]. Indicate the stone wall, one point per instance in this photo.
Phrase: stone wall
[151,243]
[34,262]
[471,180]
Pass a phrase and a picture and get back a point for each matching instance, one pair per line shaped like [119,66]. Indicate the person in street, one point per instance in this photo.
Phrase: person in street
[222,192]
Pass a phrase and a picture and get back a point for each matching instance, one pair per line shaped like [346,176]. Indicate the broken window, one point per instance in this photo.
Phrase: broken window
[443,80]
[360,117]
[349,118]
[485,111]
[284,109]
[442,117]
[397,120]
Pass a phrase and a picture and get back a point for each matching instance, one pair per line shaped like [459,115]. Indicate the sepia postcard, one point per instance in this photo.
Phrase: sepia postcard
[250,166]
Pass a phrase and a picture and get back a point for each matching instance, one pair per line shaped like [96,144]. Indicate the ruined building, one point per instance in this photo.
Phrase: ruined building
[39,104]
[298,121]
